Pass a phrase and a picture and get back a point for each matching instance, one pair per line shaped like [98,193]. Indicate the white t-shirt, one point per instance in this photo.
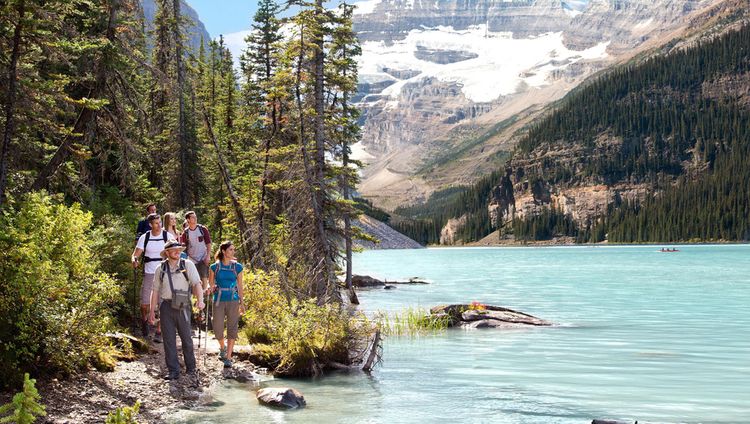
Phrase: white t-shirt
[170,236]
[153,249]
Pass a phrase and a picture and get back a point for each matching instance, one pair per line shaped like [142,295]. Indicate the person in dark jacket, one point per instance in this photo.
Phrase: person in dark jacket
[143,225]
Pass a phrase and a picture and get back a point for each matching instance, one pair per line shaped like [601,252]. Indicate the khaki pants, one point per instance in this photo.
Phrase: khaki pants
[229,311]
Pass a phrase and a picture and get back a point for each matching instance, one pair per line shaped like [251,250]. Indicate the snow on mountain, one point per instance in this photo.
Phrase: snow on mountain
[446,85]
[496,63]
[366,6]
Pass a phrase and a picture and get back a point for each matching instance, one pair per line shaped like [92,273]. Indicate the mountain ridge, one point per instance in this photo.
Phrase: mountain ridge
[580,191]
[428,115]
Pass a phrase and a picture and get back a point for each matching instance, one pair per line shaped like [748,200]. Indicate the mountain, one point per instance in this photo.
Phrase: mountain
[655,149]
[196,29]
[445,87]
[385,236]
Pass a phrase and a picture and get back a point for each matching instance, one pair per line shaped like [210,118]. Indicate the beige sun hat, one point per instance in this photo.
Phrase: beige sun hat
[171,244]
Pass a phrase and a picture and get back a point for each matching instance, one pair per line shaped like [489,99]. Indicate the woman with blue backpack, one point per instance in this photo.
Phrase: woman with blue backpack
[225,282]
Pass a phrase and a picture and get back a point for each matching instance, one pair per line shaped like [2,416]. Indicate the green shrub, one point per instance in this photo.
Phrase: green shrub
[56,303]
[25,406]
[300,337]
[113,240]
[124,415]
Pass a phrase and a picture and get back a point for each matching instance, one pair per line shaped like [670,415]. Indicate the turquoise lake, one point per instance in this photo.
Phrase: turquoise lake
[660,337]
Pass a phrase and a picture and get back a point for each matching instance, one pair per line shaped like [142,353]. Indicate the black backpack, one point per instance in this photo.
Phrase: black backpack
[145,242]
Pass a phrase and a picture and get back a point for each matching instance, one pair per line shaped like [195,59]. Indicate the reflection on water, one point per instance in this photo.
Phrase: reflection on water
[644,336]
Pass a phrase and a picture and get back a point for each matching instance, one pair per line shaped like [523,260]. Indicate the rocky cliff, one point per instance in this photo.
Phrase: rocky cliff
[437,78]
[196,30]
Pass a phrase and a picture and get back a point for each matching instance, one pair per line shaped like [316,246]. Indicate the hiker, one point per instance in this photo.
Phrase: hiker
[150,244]
[225,281]
[173,281]
[143,226]
[170,224]
[198,243]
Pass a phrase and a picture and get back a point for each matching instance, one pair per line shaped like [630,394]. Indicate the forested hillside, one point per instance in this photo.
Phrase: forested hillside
[679,123]
[673,129]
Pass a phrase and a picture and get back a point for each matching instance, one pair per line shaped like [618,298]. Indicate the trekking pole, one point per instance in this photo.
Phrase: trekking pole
[135,289]
[209,308]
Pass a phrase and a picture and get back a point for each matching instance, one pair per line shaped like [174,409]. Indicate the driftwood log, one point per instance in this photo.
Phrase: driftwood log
[485,316]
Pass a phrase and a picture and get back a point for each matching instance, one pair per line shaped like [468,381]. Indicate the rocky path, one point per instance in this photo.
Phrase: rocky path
[89,397]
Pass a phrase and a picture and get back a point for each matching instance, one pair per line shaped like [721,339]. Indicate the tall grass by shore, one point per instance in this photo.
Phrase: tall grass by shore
[410,322]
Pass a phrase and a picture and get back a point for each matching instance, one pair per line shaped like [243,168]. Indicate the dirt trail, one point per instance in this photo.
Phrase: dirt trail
[89,397]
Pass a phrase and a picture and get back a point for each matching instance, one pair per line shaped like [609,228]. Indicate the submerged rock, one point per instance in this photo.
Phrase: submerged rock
[364,281]
[281,397]
[240,372]
[486,316]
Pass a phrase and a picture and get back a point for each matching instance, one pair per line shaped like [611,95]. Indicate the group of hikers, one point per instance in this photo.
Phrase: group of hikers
[177,264]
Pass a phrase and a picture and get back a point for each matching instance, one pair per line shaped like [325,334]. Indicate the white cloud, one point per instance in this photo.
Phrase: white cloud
[235,42]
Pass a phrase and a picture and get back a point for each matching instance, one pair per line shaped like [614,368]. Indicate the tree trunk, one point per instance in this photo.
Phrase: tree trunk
[374,352]
[87,115]
[346,189]
[184,193]
[226,176]
[10,98]
[264,180]
[323,287]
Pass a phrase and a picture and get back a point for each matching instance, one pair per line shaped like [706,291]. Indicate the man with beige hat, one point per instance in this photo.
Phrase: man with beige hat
[173,282]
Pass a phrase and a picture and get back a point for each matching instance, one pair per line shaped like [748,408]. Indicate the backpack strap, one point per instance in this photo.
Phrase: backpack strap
[145,243]
[166,270]
[231,290]
[164,234]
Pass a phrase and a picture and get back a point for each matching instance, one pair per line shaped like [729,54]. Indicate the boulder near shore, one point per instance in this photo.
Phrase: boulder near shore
[281,397]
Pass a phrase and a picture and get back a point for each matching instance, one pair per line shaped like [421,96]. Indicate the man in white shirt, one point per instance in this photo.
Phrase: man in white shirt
[175,278]
[150,244]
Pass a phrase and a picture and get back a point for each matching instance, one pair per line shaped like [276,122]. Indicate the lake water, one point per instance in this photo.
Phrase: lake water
[661,337]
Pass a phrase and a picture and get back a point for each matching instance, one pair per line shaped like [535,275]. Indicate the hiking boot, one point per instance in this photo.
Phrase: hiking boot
[174,389]
[157,338]
[192,379]
[227,363]
[222,354]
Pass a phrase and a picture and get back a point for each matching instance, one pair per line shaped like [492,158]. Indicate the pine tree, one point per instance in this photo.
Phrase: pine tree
[25,406]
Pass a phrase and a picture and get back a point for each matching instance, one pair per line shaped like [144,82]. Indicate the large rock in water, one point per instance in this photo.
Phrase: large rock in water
[468,316]
[281,397]
[366,281]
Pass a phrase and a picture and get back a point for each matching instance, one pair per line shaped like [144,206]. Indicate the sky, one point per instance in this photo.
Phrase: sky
[225,16]
[230,18]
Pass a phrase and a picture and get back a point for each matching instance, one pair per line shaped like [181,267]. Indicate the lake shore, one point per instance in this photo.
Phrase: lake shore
[558,243]
[89,397]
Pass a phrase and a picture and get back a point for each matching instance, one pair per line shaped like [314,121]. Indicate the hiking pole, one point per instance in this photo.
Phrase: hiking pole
[209,307]
[135,289]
